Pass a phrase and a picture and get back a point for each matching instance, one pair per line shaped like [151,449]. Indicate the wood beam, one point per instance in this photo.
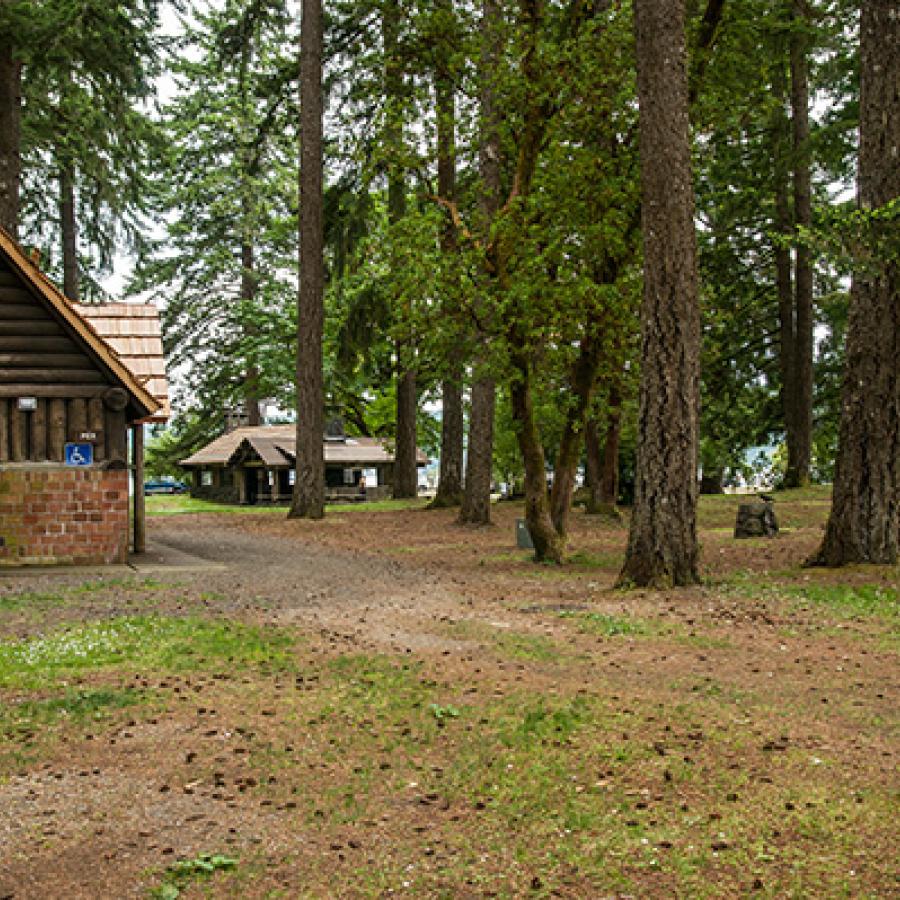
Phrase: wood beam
[63,390]
[53,376]
[140,506]
[47,343]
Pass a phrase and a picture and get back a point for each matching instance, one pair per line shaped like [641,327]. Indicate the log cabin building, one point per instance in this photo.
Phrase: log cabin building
[255,464]
[67,401]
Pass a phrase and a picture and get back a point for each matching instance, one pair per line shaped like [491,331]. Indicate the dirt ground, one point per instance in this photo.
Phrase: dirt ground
[451,720]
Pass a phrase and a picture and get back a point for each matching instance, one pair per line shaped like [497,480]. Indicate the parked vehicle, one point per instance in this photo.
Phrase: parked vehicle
[165,485]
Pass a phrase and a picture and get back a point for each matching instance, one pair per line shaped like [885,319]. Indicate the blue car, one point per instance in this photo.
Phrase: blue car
[165,485]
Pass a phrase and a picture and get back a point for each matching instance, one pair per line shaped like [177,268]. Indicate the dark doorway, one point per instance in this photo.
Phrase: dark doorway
[251,486]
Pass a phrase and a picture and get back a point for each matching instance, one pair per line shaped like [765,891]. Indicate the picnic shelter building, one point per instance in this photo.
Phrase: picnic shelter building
[255,464]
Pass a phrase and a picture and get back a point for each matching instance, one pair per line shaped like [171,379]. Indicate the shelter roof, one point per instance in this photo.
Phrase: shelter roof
[276,445]
[28,270]
[133,330]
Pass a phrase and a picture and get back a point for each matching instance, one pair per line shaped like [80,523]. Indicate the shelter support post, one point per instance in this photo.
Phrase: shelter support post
[140,507]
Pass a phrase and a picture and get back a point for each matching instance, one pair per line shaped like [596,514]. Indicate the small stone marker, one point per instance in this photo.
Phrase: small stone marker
[523,536]
[756,519]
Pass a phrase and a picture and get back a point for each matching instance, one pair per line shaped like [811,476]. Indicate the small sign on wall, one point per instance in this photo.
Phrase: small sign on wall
[79,454]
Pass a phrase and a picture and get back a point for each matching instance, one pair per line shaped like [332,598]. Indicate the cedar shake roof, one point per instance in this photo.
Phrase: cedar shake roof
[78,325]
[134,332]
[275,446]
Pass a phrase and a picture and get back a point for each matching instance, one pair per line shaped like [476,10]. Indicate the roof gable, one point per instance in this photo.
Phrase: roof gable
[77,328]
[275,446]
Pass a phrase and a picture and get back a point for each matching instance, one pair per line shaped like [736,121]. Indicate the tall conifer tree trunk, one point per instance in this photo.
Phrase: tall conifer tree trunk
[476,505]
[449,491]
[248,297]
[662,543]
[10,134]
[405,477]
[784,278]
[864,525]
[69,229]
[309,485]
[800,427]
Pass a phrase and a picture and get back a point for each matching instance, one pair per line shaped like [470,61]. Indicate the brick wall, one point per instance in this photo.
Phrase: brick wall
[53,515]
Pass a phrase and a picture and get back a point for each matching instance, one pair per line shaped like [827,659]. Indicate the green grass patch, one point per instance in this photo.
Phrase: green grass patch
[851,600]
[603,624]
[150,642]
[378,505]
[184,504]
[516,644]
[533,647]
[73,705]
[586,560]
[31,600]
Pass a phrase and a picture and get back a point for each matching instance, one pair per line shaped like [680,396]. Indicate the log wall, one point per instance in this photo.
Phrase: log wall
[74,395]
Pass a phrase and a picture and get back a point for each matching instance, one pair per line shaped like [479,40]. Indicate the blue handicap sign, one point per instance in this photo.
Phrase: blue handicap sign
[79,454]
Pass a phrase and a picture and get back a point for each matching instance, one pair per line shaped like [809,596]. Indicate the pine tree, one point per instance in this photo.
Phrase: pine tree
[226,194]
[864,524]
[309,484]
[662,544]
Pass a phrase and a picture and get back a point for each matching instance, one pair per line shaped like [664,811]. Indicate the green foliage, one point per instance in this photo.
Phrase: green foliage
[225,197]
[180,874]
[88,73]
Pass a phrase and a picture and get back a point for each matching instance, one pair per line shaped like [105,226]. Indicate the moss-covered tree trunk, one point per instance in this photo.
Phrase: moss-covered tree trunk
[549,545]
[583,378]
[662,544]
[864,525]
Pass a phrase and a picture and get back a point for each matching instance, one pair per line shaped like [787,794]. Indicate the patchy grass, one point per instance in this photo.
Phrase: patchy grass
[585,560]
[74,705]
[184,504]
[530,742]
[851,600]
[610,626]
[31,600]
[150,642]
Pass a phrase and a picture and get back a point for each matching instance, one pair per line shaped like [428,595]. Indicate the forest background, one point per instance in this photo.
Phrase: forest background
[482,218]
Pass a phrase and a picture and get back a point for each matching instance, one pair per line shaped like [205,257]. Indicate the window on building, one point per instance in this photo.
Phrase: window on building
[206,478]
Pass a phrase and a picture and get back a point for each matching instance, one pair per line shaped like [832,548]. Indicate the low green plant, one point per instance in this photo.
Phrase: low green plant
[185,871]
[443,712]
